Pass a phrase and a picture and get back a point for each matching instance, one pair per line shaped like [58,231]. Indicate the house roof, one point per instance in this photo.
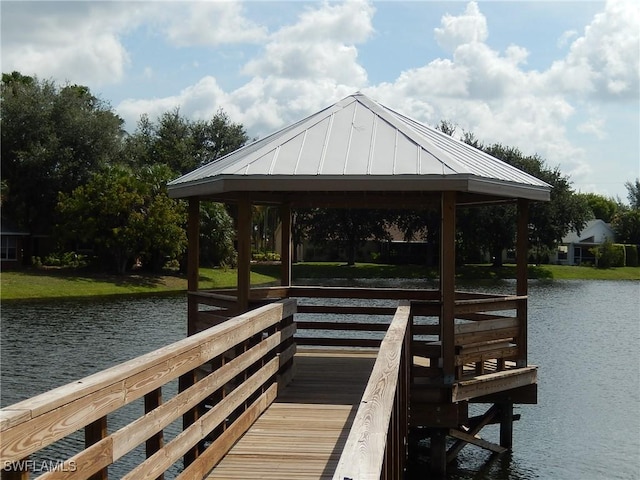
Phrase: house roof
[595,231]
[358,145]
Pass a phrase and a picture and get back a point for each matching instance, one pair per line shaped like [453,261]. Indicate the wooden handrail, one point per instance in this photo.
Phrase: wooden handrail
[30,425]
[367,450]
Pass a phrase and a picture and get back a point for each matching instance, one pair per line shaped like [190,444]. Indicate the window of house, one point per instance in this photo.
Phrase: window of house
[9,248]
[563,250]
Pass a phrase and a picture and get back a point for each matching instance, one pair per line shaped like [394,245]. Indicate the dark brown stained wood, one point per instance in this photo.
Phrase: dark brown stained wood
[342,310]
[364,293]
[193,259]
[244,253]
[367,327]
[285,248]
[522,246]
[527,394]
[447,284]
[477,441]
[475,425]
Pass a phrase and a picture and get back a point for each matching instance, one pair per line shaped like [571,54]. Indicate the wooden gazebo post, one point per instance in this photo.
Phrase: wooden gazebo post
[447,284]
[244,254]
[193,274]
[522,247]
[285,255]
[447,305]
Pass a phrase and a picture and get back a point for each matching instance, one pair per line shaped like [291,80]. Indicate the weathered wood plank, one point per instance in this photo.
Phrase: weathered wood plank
[66,409]
[173,450]
[219,448]
[494,447]
[364,451]
[493,383]
[301,435]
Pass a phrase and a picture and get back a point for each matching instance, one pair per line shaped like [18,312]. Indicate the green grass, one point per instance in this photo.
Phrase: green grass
[51,284]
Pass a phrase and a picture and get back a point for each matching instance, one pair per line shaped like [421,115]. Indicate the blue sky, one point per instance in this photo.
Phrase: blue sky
[560,79]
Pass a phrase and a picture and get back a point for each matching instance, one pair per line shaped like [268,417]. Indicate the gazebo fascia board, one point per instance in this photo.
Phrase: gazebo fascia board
[226,185]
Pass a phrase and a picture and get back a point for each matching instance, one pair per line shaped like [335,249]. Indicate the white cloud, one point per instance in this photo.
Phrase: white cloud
[211,23]
[320,45]
[75,41]
[487,92]
[199,101]
[457,30]
[605,61]
[565,38]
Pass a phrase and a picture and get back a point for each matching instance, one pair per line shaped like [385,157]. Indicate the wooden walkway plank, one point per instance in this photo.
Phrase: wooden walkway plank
[302,434]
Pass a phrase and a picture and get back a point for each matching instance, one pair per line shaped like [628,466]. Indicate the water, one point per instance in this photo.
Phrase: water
[583,335]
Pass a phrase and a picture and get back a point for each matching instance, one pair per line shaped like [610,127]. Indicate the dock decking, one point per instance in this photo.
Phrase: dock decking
[302,434]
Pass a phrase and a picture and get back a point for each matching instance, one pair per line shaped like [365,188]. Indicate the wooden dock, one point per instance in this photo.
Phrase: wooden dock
[302,434]
[277,392]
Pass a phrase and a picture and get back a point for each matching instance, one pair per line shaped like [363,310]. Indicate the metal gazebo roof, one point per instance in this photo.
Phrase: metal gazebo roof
[358,145]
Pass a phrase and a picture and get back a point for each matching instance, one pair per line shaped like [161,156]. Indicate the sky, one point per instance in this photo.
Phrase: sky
[560,79]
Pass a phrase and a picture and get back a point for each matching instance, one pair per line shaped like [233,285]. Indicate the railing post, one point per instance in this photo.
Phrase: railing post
[522,243]
[93,433]
[185,381]
[153,400]
[193,262]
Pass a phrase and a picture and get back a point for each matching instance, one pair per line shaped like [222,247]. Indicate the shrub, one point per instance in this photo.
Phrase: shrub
[609,254]
[65,259]
[631,254]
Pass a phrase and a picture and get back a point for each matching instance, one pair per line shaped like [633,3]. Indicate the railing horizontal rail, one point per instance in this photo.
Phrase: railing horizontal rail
[35,423]
[367,449]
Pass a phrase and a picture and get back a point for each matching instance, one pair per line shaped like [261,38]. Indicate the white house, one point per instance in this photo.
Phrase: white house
[575,248]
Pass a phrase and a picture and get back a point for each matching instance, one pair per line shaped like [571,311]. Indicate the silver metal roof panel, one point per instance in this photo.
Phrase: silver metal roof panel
[359,144]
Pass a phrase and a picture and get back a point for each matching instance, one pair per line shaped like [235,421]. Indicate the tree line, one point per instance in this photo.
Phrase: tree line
[70,172]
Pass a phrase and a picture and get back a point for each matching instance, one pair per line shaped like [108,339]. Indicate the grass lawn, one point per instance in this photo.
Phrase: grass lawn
[41,283]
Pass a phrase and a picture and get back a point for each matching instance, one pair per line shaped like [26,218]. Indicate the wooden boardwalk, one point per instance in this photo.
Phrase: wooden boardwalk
[302,434]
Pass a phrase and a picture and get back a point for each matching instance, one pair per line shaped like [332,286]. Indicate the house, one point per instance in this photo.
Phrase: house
[12,241]
[575,248]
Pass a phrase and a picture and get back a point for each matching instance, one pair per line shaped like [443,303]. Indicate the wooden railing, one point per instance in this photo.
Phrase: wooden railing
[229,375]
[483,334]
[349,317]
[376,447]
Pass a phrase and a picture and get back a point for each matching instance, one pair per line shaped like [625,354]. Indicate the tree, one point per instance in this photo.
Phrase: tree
[216,235]
[53,139]
[125,214]
[350,227]
[626,223]
[633,193]
[602,207]
[183,144]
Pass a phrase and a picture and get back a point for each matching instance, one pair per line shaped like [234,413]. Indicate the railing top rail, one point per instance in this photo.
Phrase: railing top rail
[364,450]
[494,299]
[127,381]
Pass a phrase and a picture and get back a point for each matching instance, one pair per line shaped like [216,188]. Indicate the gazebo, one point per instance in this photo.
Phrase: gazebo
[358,153]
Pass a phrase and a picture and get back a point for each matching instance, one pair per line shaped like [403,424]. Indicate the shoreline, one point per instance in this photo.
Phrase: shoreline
[50,284]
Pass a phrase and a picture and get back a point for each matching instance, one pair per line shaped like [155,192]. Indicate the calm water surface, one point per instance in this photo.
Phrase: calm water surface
[583,335]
